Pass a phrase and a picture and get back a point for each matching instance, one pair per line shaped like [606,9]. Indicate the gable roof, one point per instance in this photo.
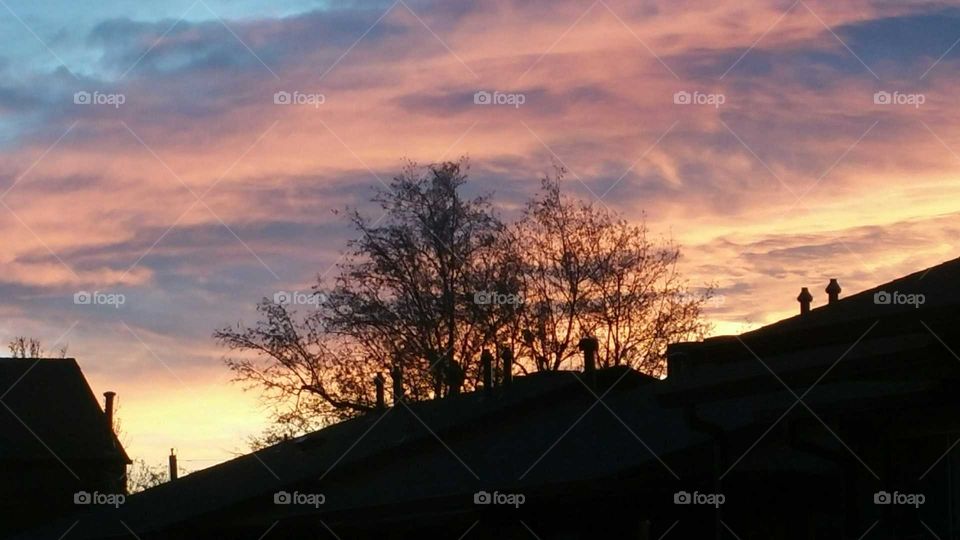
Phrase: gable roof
[48,412]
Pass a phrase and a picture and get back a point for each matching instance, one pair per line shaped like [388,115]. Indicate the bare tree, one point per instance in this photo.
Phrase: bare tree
[557,272]
[142,475]
[409,281]
[438,278]
[24,347]
[305,372]
[587,271]
[403,297]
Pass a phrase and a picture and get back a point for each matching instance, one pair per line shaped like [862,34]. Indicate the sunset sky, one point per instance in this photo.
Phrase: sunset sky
[198,195]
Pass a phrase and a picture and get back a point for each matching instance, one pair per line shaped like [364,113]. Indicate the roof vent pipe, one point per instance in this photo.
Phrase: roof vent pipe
[173,465]
[378,383]
[804,298]
[397,375]
[486,364]
[506,354]
[833,290]
[589,345]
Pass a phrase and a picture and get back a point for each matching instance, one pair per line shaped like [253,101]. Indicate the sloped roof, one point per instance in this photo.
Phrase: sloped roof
[836,322]
[48,412]
[525,436]
[939,285]
[866,331]
[530,436]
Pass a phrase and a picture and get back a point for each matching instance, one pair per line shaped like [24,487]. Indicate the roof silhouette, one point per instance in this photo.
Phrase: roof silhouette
[427,458]
[48,412]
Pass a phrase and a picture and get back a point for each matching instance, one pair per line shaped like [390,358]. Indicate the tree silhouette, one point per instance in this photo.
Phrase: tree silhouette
[587,271]
[24,347]
[439,278]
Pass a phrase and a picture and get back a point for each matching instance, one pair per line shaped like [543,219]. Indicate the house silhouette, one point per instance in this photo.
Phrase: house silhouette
[55,442]
[835,423]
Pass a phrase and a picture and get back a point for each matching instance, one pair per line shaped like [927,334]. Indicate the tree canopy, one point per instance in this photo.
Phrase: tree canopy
[439,277]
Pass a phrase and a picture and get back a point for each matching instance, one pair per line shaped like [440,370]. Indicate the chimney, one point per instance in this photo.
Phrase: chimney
[378,382]
[173,465]
[506,354]
[108,407]
[486,364]
[397,375]
[805,298]
[833,290]
[589,345]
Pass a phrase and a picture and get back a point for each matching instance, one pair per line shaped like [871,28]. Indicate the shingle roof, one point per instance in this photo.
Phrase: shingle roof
[47,411]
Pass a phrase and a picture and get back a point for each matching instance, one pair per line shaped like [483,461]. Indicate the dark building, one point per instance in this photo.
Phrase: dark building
[55,442]
[840,422]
